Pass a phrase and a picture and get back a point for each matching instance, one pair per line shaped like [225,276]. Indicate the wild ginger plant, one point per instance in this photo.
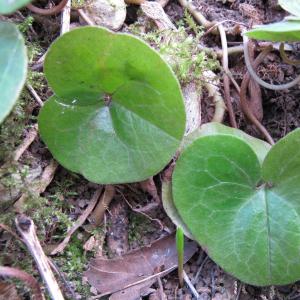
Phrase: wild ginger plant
[240,199]
[117,113]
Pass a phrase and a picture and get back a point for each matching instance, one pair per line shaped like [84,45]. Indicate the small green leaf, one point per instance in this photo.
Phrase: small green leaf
[245,214]
[284,31]
[292,6]
[9,6]
[13,66]
[117,114]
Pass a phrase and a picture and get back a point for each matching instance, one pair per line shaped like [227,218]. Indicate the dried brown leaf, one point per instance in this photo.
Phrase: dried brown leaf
[112,275]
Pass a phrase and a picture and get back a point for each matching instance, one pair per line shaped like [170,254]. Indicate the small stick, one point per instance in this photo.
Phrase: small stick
[85,17]
[97,215]
[196,14]
[65,18]
[190,285]
[239,291]
[78,222]
[35,95]
[27,230]
[231,50]
[39,188]
[212,87]
[149,187]
[27,278]
[8,229]
[162,227]
[39,63]
[48,12]
[62,277]
[30,137]
[226,77]
[196,278]
[161,289]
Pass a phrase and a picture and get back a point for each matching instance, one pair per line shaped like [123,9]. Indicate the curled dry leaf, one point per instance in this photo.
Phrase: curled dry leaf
[112,275]
[107,13]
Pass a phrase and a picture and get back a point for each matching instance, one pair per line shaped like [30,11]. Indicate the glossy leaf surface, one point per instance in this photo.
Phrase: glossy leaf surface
[13,66]
[9,6]
[117,114]
[284,31]
[244,213]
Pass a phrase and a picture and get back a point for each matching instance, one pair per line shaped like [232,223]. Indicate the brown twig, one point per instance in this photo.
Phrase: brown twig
[35,95]
[190,285]
[79,222]
[199,17]
[243,98]
[85,17]
[149,187]
[30,137]
[212,86]
[162,227]
[8,229]
[39,188]
[48,12]
[226,81]
[97,215]
[62,277]
[27,230]
[25,277]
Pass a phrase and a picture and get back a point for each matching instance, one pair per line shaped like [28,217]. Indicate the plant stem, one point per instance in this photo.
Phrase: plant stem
[48,12]
[259,80]
[285,58]
[180,252]
[243,98]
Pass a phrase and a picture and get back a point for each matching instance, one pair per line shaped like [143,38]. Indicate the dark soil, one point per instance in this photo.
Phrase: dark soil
[281,115]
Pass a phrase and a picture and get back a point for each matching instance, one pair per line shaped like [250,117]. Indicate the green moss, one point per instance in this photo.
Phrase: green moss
[12,128]
[180,49]
[25,25]
[139,226]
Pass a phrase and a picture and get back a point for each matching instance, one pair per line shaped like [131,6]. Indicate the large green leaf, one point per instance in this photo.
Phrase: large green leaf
[284,31]
[13,66]
[292,6]
[260,147]
[9,6]
[244,213]
[117,114]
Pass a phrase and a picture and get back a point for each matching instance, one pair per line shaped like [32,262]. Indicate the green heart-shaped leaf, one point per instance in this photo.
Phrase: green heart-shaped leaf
[260,147]
[244,213]
[13,66]
[292,6]
[118,113]
[284,31]
[9,6]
